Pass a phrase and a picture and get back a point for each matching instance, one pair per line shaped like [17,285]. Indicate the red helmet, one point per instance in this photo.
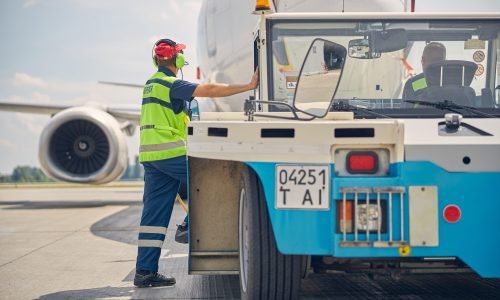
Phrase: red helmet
[166,49]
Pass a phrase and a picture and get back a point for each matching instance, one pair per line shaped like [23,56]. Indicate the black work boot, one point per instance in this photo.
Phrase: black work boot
[147,278]
[181,235]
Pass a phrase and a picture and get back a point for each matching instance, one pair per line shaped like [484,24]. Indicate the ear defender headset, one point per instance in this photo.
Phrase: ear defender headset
[171,50]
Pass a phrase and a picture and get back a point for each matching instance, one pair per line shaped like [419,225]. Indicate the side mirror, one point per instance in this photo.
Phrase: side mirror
[360,48]
[194,110]
[319,77]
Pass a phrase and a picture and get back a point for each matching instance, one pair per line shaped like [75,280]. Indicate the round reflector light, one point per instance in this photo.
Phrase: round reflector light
[452,213]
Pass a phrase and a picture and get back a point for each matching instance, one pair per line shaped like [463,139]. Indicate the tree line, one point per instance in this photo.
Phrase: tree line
[134,171]
[22,174]
[25,174]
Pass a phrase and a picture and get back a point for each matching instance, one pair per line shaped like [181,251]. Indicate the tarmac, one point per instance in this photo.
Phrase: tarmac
[80,243]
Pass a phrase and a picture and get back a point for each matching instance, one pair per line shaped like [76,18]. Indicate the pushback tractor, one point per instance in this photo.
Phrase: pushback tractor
[332,168]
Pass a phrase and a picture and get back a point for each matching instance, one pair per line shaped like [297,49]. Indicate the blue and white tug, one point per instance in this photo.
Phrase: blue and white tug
[331,168]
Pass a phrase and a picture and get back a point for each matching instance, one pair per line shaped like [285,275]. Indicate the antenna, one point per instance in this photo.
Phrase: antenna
[343,5]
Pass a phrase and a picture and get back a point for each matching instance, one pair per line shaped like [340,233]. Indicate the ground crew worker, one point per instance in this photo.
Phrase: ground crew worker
[163,152]
[433,52]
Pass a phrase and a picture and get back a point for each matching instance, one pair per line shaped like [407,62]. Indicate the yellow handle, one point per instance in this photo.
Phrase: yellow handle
[182,203]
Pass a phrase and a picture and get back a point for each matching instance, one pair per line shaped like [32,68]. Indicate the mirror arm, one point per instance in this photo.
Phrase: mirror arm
[282,103]
[292,109]
[285,118]
[309,114]
[249,108]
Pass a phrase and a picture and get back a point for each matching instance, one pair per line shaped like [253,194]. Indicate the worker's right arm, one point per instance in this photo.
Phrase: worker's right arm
[223,90]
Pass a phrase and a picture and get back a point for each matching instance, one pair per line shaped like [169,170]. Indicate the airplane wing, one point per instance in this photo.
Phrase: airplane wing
[45,109]
[132,115]
[132,85]
[125,114]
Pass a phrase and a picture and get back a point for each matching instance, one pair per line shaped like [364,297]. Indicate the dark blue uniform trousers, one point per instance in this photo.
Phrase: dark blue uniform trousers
[162,179]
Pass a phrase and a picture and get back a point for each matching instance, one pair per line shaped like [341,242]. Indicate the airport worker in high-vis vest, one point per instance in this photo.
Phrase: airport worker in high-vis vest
[162,152]
[415,86]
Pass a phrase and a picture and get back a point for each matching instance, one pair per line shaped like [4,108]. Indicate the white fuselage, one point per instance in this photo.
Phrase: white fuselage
[226,34]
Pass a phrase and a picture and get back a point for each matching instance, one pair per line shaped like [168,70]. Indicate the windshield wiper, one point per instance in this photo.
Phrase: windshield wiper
[451,106]
[343,106]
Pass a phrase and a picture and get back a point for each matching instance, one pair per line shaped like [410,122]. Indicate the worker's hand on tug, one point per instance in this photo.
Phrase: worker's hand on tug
[255,80]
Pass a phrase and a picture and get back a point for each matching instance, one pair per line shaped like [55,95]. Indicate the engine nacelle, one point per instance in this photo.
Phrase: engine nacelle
[83,145]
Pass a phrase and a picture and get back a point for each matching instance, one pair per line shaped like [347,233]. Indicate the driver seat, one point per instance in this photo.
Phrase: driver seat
[450,80]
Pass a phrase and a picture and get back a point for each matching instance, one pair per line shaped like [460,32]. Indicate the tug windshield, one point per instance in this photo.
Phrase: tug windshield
[389,63]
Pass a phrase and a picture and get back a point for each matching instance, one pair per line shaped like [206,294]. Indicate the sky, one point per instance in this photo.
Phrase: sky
[55,51]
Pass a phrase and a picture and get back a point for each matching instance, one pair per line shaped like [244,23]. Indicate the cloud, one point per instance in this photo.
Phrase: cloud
[33,123]
[51,88]
[37,96]
[194,6]
[175,6]
[7,145]
[30,3]
[153,39]
[100,60]
[27,90]
[24,79]
[96,4]
[187,9]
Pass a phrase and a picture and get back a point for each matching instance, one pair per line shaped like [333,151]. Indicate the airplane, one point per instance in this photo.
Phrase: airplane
[226,33]
[87,144]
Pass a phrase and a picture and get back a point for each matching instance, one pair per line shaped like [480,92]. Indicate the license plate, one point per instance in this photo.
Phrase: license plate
[303,186]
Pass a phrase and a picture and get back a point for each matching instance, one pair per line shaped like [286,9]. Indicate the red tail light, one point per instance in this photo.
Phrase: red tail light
[365,162]
[452,213]
[198,73]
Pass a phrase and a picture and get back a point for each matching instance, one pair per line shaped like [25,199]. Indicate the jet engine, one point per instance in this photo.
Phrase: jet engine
[83,145]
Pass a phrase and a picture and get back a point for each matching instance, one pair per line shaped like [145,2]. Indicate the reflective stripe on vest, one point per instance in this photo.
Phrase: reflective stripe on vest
[163,132]
[156,101]
[419,84]
[164,146]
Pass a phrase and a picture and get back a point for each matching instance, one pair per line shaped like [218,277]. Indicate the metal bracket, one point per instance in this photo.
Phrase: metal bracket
[249,108]
[453,121]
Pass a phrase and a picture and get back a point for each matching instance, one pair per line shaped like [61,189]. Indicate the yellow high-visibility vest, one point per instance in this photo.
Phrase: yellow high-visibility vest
[419,84]
[163,132]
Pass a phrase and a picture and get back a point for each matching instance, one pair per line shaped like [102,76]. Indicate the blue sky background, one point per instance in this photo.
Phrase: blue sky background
[55,51]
